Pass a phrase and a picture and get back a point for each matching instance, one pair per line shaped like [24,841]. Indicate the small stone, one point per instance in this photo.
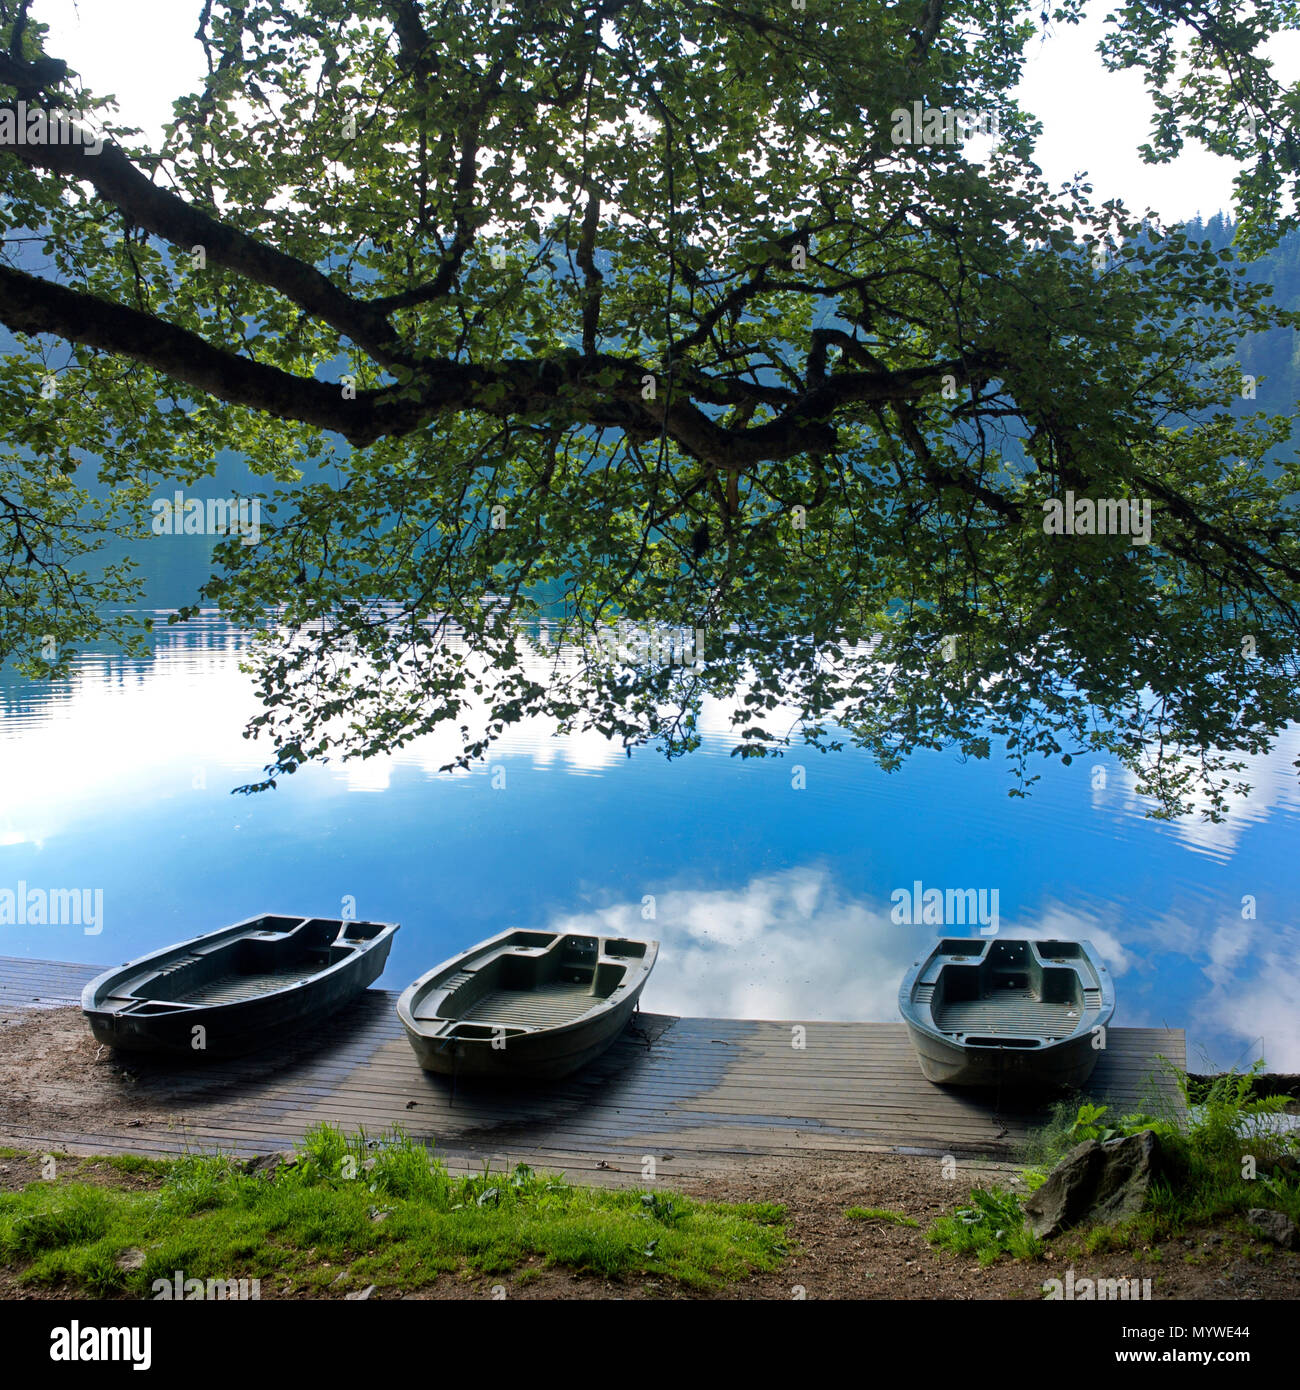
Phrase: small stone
[130,1259]
[267,1165]
[360,1294]
[1276,1227]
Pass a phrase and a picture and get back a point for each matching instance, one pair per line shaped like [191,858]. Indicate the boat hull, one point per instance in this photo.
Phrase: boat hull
[501,1011]
[539,1057]
[274,1013]
[949,1064]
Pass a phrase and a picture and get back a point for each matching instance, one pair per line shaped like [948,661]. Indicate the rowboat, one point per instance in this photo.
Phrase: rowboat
[532,1005]
[237,989]
[1008,1012]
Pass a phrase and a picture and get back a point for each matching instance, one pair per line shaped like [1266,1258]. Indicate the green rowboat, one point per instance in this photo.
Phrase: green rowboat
[525,1004]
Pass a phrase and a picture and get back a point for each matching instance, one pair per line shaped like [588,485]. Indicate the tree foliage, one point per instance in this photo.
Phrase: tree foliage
[619,312]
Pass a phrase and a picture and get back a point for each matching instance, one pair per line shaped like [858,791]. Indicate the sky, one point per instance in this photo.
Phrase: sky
[1093,120]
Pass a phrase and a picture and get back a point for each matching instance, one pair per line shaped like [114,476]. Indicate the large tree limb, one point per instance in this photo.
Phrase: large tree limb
[587,262]
[29,304]
[166,215]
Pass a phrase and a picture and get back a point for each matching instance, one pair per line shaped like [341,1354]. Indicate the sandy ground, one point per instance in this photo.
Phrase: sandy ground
[50,1063]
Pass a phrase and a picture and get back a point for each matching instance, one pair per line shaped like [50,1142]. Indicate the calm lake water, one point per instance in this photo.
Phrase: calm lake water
[771,901]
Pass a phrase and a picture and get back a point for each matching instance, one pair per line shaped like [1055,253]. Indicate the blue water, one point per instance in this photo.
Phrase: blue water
[771,901]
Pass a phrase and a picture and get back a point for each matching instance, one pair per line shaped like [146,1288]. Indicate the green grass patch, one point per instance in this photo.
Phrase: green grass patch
[992,1225]
[382,1211]
[135,1165]
[880,1214]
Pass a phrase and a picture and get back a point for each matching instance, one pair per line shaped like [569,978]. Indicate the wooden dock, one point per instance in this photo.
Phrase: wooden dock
[700,1095]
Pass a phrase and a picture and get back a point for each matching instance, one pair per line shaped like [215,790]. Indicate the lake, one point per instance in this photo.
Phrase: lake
[775,893]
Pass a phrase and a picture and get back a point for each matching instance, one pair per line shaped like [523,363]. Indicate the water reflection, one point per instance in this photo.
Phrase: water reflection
[770,892]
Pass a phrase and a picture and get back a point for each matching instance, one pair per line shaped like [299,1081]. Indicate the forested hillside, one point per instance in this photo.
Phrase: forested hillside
[1273,357]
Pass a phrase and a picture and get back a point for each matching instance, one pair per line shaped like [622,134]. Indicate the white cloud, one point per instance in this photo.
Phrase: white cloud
[783,946]
[1262,1009]
[1274,788]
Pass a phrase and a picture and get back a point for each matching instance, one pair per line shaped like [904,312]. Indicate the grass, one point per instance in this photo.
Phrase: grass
[880,1214]
[1221,1156]
[135,1165]
[378,1211]
[991,1226]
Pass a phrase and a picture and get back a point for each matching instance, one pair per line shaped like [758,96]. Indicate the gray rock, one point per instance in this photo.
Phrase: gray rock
[1064,1196]
[130,1259]
[1095,1183]
[1130,1165]
[1276,1227]
[267,1165]
[360,1294]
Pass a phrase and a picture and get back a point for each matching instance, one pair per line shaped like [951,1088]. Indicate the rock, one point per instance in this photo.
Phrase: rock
[1064,1196]
[130,1259]
[267,1165]
[360,1294]
[1095,1182]
[1276,1227]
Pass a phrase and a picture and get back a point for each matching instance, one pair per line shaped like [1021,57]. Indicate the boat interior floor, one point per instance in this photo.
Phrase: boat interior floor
[235,986]
[1009,1011]
[530,982]
[231,971]
[549,1005]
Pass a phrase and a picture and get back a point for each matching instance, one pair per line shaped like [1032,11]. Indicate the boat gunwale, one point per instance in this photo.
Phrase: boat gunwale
[418,1028]
[1041,1045]
[93,1007]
